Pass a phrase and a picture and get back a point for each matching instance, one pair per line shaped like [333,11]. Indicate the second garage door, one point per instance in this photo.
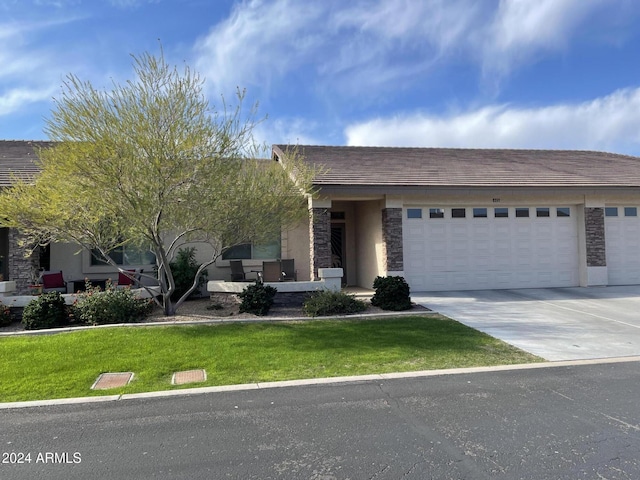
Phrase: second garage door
[622,237]
[469,248]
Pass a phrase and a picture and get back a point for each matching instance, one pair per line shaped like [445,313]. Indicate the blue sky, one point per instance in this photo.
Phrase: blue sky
[436,73]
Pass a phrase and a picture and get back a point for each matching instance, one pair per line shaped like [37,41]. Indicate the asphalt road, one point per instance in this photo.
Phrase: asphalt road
[578,422]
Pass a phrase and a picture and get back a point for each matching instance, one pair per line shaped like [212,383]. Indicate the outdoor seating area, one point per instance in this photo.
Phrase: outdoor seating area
[272,271]
[52,282]
[129,278]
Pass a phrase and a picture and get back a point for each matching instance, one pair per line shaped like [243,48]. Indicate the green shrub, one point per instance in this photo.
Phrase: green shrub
[114,305]
[392,293]
[184,270]
[46,311]
[6,317]
[329,302]
[257,299]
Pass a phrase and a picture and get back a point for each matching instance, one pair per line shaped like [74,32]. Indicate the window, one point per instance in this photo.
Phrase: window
[630,212]
[436,213]
[414,213]
[542,212]
[563,212]
[611,211]
[501,212]
[248,251]
[479,213]
[125,255]
[522,212]
[458,213]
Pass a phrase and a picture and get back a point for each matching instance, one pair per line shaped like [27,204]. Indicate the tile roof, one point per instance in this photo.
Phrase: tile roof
[460,167]
[19,158]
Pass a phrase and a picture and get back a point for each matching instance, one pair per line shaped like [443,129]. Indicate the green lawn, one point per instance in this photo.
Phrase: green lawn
[67,364]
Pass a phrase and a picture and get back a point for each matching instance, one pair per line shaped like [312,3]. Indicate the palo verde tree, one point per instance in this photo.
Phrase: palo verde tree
[150,164]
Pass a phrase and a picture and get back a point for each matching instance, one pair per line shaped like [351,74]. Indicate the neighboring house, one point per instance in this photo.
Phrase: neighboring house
[19,159]
[473,218]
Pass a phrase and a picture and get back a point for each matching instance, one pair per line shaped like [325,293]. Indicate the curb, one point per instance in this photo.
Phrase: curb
[315,381]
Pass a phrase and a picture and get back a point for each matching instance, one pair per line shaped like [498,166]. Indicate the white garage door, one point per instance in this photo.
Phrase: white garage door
[622,237]
[493,247]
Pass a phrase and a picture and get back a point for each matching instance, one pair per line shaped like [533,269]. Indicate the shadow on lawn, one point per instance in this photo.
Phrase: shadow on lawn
[416,333]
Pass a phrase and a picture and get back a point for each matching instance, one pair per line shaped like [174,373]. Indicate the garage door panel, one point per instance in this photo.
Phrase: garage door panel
[477,253]
[622,238]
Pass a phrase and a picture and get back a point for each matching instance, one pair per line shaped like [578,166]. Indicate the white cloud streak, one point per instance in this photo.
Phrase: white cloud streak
[258,41]
[28,74]
[13,100]
[295,131]
[609,123]
[522,28]
[367,46]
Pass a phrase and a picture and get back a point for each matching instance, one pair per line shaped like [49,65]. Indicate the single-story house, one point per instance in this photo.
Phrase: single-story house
[444,218]
[19,159]
[450,218]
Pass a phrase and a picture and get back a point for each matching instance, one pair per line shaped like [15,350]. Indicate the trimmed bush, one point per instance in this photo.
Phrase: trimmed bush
[184,270]
[114,305]
[6,317]
[392,293]
[329,302]
[46,311]
[257,299]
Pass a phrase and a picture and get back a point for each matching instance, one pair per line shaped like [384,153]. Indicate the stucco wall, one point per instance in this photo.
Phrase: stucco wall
[295,245]
[369,242]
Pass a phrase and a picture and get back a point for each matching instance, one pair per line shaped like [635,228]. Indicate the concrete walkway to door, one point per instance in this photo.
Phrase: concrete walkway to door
[553,323]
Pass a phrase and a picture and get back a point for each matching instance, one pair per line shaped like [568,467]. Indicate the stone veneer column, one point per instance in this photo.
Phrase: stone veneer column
[21,268]
[393,257]
[594,236]
[319,239]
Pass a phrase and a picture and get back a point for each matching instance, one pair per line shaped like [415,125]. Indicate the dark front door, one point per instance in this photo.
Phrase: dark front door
[338,250]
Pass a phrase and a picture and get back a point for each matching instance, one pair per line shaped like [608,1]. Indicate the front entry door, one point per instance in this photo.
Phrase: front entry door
[338,250]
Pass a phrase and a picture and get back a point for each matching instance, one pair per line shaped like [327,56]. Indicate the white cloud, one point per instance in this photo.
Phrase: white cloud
[609,123]
[29,74]
[259,40]
[365,47]
[13,100]
[522,28]
[294,131]
[369,43]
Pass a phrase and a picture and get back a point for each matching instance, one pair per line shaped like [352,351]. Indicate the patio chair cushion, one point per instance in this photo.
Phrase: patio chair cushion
[53,280]
[123,279]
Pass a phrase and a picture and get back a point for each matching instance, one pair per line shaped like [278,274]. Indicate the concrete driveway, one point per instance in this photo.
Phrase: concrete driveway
[553,323]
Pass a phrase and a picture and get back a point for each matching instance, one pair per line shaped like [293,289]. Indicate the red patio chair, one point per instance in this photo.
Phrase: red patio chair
[126,280]
[53,282]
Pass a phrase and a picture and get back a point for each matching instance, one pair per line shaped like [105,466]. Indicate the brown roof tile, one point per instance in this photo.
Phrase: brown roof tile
[19,158]
[418,167]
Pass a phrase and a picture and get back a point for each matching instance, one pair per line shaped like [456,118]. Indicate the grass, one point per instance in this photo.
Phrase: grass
[67,364]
